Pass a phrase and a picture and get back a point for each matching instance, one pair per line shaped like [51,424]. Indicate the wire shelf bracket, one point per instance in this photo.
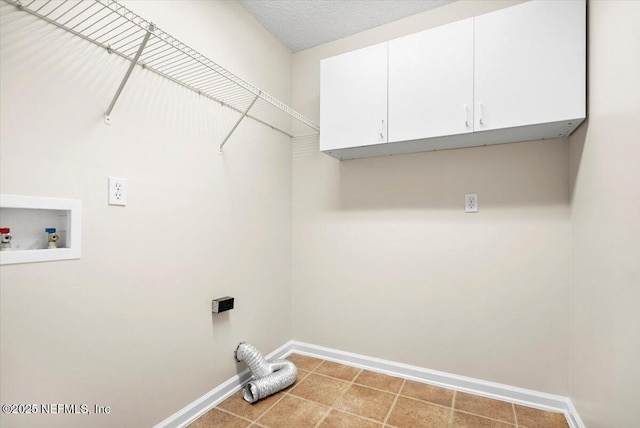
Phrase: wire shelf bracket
[134,61]
[236,125]
[110,25]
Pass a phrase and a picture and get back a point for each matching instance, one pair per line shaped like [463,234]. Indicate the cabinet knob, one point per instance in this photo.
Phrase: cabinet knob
[381,128]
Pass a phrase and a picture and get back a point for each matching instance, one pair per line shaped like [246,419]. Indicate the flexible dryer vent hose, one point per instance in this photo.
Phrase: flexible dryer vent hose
[269,377]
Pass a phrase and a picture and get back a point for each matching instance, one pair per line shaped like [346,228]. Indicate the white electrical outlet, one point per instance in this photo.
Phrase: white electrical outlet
[117,191]
[471,203]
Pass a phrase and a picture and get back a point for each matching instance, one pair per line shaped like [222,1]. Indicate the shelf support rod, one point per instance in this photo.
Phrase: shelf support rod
[238,122]
[134,61]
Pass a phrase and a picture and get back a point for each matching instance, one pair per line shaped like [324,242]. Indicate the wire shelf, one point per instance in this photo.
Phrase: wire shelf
[120,31]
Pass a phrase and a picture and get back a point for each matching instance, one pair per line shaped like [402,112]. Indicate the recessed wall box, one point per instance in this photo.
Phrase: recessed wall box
[28,217]
[222,304]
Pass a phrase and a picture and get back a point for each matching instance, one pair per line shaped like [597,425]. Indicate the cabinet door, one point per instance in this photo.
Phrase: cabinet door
[530,64]
[431,83]
[353,99]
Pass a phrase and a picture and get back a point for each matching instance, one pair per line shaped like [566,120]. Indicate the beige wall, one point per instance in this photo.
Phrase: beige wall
[605,225]
[386,263]
[129,325]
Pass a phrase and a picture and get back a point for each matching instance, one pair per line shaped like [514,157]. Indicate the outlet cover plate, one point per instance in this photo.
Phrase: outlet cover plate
[117,191]
[471,203]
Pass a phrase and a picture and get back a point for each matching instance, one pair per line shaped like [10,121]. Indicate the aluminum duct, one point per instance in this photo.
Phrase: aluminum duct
[269,377]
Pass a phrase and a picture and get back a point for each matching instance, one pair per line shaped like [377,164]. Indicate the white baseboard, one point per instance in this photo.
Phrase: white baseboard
[202,405]
[573,417]
[525,397]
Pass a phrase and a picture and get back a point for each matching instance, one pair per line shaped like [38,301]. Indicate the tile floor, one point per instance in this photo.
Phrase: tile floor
[331,395]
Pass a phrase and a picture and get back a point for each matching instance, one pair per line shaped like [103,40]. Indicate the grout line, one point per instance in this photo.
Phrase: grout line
[487,417]
[270,407]
[297,382]
[285,393]
[230,413]
[359,416]
[333,377]
[324,416]
[342,380]
[395,400]
[346,388]
[369,386]
[330,407]
[515,415]
[453,409]
[426,402]
[257,417]
[339,410]
[310,401]
[319,364]
[306,356]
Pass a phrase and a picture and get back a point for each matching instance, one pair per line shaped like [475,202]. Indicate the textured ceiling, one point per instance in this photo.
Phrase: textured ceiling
[303,24]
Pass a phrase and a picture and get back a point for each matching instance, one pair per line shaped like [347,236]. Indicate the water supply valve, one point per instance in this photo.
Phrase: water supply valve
[52,238]
[5,239]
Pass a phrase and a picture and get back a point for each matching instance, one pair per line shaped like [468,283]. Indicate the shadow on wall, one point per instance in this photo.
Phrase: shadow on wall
[509,175]
[221,328]
[577,142]
[578,138]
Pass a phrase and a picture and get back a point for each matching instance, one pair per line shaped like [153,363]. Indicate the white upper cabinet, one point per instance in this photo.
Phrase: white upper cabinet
[353,90]
[530,64]
[516,74]
[431,83]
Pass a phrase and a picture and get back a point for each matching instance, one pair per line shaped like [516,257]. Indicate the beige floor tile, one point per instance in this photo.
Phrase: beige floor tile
[486,407]
[534,418]
[337,419]
[217,418]
[466,420]
[303,362]
[410,413]
[301,375]
[293,412]
[336,370]
[321,389]
[366,402]
[379,381]
[430,393]
[238,406]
